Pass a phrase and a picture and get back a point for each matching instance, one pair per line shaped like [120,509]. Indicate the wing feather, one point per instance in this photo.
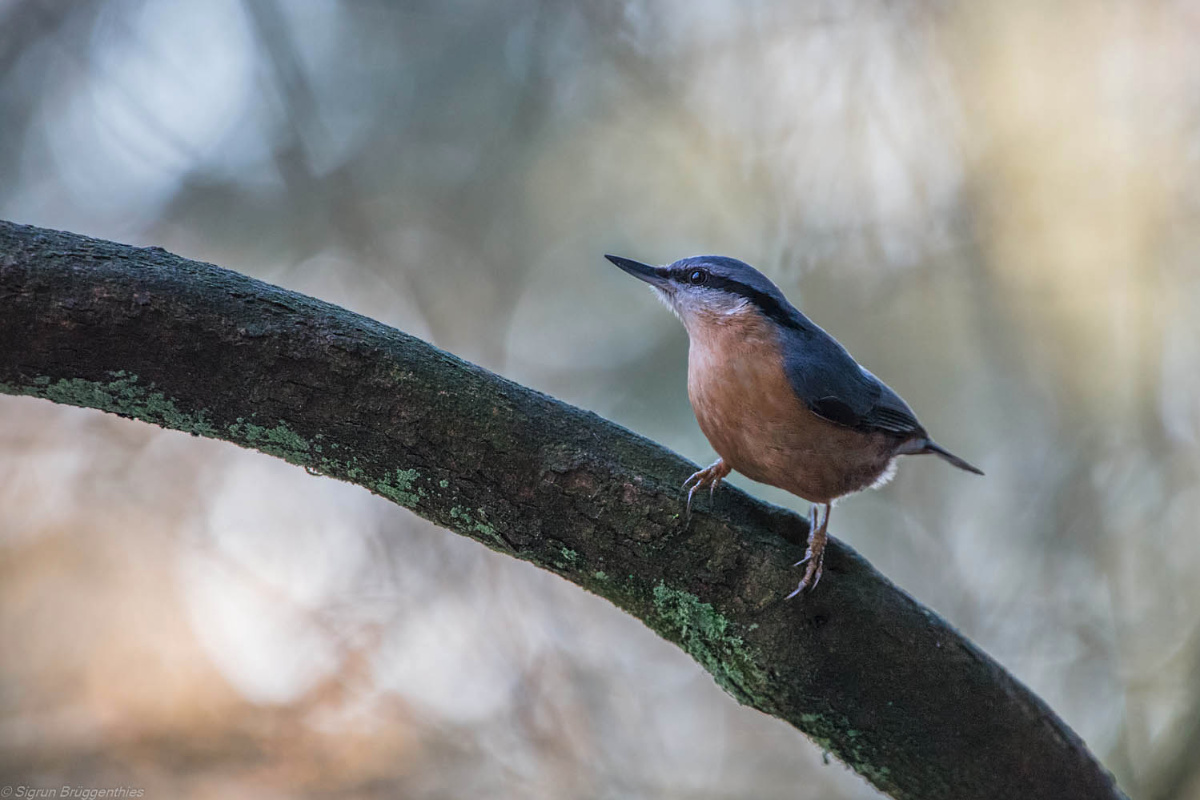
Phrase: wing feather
[833,385]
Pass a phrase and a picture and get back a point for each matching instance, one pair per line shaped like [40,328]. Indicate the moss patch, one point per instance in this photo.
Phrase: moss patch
[120,395]
[279,440]
[709,638]
[125,395]
[833,733]
[400,487]
[476,522]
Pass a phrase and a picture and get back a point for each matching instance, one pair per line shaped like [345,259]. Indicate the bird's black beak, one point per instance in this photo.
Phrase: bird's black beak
[655,276]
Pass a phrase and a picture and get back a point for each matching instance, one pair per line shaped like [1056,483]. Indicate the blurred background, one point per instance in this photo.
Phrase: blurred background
[994,205]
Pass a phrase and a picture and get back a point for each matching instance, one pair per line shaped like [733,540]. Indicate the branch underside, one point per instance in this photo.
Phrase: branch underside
[859,666]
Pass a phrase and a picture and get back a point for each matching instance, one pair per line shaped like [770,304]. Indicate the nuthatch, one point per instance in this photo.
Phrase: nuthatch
[777,397]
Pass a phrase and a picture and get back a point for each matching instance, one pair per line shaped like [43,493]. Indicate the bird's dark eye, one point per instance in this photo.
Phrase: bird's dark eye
[697,277]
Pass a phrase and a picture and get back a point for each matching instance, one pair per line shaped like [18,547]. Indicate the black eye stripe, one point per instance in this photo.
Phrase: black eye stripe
[768,305]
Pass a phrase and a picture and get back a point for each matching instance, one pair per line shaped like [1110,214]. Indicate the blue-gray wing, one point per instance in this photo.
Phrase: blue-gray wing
[836,388]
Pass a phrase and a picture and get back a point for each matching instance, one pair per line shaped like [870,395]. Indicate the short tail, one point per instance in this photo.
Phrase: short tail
[933,447]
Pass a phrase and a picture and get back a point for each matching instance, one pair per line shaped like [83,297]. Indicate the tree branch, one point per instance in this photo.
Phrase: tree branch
[858,665]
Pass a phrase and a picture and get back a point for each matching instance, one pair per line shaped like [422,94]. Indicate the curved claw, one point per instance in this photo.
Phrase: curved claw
[688,511]
[710,476]
[812,576]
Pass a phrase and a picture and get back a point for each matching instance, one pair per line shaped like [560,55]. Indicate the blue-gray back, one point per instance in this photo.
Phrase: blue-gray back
[835,387]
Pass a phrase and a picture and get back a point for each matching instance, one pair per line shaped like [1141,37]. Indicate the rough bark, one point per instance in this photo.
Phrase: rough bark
[857,665]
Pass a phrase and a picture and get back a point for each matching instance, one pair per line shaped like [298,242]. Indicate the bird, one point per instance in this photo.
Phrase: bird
[778,398]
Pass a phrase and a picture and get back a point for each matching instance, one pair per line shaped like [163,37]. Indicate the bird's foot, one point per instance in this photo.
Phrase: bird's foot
[812,574]
[815,555]
[711,476]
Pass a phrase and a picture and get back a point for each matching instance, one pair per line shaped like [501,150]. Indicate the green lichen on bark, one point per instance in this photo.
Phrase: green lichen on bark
[476,522]
[826,727]
[119,395]
[123,394]
[710,638]
[278,440]
[400,486]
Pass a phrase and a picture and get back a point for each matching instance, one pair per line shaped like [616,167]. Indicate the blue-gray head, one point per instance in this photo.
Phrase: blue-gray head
[700,288]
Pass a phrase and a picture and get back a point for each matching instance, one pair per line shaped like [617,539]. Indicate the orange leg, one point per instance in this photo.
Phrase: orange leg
[815,557]
[711,476]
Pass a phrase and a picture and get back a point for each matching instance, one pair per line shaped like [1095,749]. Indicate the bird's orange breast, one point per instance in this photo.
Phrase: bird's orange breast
[750,414]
